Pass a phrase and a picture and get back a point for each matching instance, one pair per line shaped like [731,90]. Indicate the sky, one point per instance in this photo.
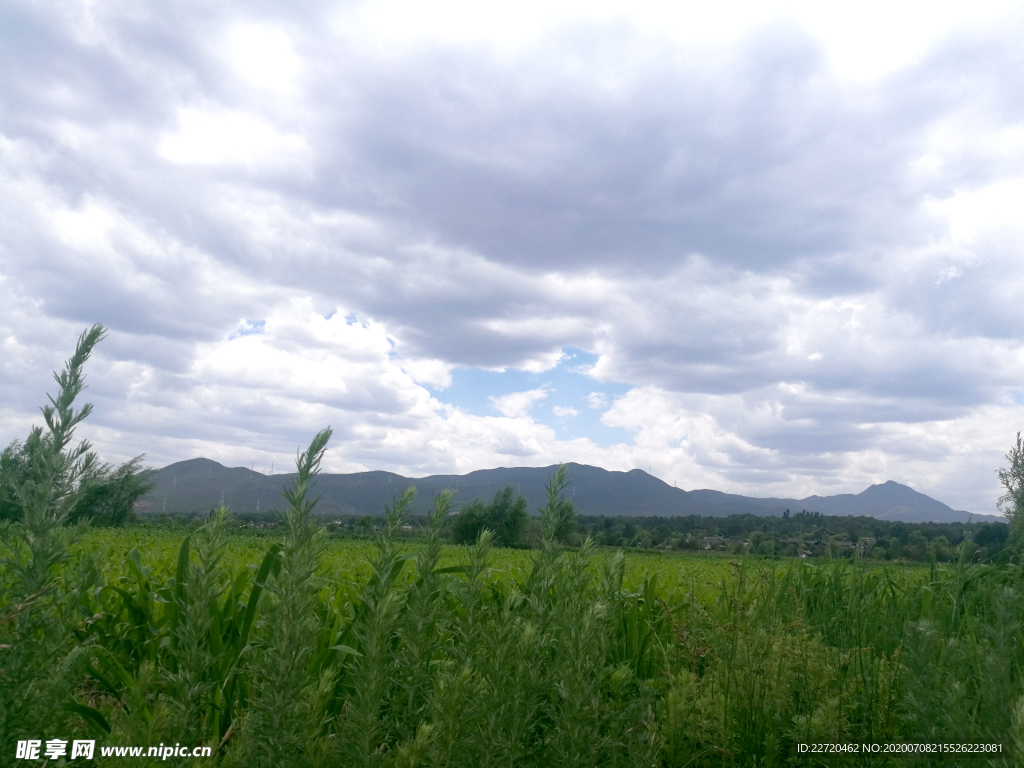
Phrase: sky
[771,248]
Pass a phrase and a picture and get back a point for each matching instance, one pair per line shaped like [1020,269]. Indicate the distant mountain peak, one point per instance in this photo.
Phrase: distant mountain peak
[889,484]
[198,484]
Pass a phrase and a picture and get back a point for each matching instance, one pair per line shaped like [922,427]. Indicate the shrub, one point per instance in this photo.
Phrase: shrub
[505,517]
[45,579]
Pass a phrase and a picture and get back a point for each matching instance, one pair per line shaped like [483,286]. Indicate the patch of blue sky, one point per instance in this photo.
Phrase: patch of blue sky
[250,327]
[569,403]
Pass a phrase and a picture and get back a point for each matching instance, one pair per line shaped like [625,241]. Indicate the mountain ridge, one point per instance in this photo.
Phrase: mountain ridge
[196,485]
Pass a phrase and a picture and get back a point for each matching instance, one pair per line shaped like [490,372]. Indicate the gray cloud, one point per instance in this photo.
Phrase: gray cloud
[725,225]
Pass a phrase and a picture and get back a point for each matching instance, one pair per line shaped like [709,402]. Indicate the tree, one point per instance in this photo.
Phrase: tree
[992,536]
[472,519]
[14,471]
[109,495]
[104,493]
[505,518]
[1011,503]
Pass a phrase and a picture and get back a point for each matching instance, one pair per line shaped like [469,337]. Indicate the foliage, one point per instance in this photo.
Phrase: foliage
[505,517]
[105,495]
[864,537]
[470,522]
[44,581]
[14,472]
[477,656]
[288,697]
[1012,480]
[110,493]
[558,515]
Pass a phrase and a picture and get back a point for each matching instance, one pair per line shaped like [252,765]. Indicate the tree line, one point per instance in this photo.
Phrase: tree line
[753,534]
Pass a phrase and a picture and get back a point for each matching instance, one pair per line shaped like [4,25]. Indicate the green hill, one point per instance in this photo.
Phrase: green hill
[198,485]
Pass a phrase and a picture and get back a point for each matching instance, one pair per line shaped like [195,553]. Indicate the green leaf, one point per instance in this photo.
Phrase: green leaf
[112,665]
[346,649]
[95,674]
[88,714]
[453,569]
[179,582]
[271,561]
[134,563]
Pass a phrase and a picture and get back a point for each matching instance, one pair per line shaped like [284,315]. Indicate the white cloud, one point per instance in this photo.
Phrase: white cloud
[518,404]
[264,56]
[233,138]
[597,400]
[563,411]
[861,41]
[437,373]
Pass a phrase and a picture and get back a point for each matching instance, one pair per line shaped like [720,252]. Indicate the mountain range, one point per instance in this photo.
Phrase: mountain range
[197,485]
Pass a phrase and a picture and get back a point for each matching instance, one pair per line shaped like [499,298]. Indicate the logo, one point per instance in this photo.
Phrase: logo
[33,749]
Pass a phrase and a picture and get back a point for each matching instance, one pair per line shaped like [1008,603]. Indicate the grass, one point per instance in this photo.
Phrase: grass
[429,654]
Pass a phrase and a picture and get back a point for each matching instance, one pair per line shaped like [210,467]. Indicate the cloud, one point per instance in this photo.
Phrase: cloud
[790,253]
[518,404]
[232,139]
[264,56]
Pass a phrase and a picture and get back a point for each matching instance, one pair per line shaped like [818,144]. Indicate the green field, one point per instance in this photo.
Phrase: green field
[359,652]
[349,558]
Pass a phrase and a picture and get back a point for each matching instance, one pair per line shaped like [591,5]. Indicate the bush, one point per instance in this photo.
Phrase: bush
[45,580]
[103,494]
[1012,501]
[505,518]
